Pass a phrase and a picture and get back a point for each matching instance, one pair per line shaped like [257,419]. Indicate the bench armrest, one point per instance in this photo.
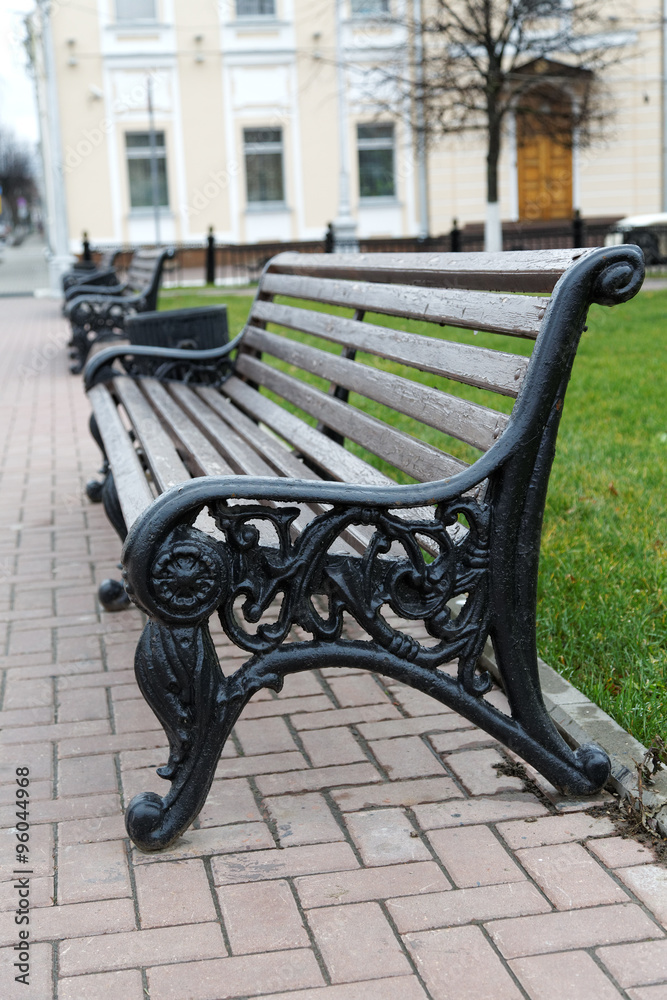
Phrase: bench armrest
[94,285]
[159,362]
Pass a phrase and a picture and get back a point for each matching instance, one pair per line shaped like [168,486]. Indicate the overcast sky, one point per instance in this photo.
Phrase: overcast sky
[17,103]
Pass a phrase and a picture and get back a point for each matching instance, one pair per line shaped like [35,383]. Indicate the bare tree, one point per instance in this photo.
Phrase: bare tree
[479,60]
[16,172]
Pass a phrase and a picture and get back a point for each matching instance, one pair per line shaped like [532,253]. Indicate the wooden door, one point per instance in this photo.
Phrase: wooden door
[545,171]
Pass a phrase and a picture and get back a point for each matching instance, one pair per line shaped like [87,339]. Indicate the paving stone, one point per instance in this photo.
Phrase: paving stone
[317,777]
[476,771]
[440,724]
[268,763]
[621,852]
[555,830]
[104,916]
[463,906]
[415,879]
[636,964]
[473,856]
[127,985]
[386,837]
[213,840]
[398,988]
[303,819]
[92,829]
[344,716]
[649,993]
[238,976]
[147,947]
[86,775]
[174,892]
[649,883]
[92,871]
[416,702]
[261,916]
[41,974]
[468,812]
[585,928]
[85,703]
[55,810]
[460,739]
[570,877]
[406,757]
[331,746]
[458,963]
[357,943]
[397,793]
[229,801]
[286,706]
[264,736]
[359,690]
[572,974]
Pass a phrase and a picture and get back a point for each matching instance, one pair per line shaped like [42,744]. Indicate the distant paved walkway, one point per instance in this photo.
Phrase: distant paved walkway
[23,269]
[359,842]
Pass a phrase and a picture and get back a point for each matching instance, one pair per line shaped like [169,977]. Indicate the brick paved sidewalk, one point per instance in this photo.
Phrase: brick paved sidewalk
[358,843]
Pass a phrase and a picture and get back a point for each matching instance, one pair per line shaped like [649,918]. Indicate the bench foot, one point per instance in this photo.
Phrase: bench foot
[94,490]
[112,595]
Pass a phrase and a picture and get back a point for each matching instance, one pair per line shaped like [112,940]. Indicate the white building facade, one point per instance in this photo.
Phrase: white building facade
[247,120]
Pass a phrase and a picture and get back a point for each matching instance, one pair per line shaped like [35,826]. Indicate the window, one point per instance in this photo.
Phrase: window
[138,148]
[264,164]
[369,6]
[375,144]
[135,10]
[255,8]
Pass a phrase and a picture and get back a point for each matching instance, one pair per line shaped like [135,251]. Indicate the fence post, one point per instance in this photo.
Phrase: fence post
[329,239]
[87,255]
[577,229]
[455,237]
[210,257]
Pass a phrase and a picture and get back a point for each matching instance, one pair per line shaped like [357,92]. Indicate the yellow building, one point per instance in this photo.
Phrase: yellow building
[249,129]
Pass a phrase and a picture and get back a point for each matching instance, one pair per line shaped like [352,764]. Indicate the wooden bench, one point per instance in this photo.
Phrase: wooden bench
[98,314]
[91,275]
[265,481]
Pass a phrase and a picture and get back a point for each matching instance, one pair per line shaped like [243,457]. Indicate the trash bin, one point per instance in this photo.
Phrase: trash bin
[199,329]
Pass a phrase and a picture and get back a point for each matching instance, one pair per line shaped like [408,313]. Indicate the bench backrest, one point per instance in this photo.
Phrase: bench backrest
[144,274]
[363,361]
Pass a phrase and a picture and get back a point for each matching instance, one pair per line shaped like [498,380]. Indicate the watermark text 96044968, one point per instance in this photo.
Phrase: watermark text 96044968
[22,872]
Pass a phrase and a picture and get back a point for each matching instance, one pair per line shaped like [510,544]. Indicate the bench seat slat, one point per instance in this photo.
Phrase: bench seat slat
[478,425]
[419,460]
[134,492]
[207,461]
[244,459]
[512,271]
[339,463]
[486,369]
[514,315]
[163,460]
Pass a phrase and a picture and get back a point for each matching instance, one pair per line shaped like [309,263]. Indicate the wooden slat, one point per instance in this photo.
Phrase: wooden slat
[534,271]
[514,315]
[134,492]
[486,369]
[206,460]
[245,460]
[340,464]
[404,452]
[161,455]
[477,425]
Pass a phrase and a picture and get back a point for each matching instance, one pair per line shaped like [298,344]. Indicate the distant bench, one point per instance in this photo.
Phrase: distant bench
[265,471]
[99,313]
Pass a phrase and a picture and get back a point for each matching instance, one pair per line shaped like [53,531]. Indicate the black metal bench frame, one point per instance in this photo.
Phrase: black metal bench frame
[180,576]
[99,313]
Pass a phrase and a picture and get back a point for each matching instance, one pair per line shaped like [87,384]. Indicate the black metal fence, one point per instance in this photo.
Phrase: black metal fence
[241,264]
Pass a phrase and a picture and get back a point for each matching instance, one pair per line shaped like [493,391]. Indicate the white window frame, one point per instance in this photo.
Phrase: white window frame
[261,149]
[377,143]
[252,15]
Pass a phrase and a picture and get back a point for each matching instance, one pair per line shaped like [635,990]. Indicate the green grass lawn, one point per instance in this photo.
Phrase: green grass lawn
[602,612]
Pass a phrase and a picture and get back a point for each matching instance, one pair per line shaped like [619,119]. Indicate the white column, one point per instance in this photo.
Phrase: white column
[344,226]
[60,259]
[422,177]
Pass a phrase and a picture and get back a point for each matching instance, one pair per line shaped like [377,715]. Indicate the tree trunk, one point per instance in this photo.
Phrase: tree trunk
[493,232]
